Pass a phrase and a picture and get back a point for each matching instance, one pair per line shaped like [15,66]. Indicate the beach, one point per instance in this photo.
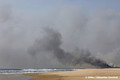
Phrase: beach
[14,77]
[83,74]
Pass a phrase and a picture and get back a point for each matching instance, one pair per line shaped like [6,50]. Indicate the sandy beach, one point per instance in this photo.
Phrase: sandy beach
[84,74]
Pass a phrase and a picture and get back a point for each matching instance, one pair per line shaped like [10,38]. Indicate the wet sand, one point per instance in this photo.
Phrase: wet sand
[84,74]
[14,77]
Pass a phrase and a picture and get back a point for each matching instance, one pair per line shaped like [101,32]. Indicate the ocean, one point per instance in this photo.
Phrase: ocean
[22,71]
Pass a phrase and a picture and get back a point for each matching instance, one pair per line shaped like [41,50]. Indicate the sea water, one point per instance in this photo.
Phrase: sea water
[21,71]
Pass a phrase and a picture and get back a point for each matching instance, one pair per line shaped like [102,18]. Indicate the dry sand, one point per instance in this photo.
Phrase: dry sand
[84,74]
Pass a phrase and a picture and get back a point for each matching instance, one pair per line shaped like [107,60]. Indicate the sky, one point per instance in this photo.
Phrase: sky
[90,25]
[37,5]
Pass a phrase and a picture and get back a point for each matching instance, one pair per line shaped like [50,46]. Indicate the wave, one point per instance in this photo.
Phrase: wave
[22,71]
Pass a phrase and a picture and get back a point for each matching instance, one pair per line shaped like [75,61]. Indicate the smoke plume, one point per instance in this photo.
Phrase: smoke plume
[75,36]
[52,43]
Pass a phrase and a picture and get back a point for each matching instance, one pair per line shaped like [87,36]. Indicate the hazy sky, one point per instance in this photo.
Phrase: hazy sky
[46,5]
[86,24]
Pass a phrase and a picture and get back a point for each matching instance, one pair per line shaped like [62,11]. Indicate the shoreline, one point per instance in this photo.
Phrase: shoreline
[85,74]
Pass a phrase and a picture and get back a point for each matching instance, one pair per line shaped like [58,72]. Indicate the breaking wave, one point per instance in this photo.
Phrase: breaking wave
[22,71]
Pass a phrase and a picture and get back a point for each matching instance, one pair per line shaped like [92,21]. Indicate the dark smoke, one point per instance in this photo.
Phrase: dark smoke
[96,32]
[87,57]
[51,42]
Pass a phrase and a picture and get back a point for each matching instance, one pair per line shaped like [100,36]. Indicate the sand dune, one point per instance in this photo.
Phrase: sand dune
[84,74]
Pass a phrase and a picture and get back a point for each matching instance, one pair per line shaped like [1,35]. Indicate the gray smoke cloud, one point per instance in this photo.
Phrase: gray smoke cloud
[52,42]
[23,43]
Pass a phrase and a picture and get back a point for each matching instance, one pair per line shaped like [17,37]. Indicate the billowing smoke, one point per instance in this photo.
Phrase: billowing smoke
[74,37]
[51,42]
[87,57]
